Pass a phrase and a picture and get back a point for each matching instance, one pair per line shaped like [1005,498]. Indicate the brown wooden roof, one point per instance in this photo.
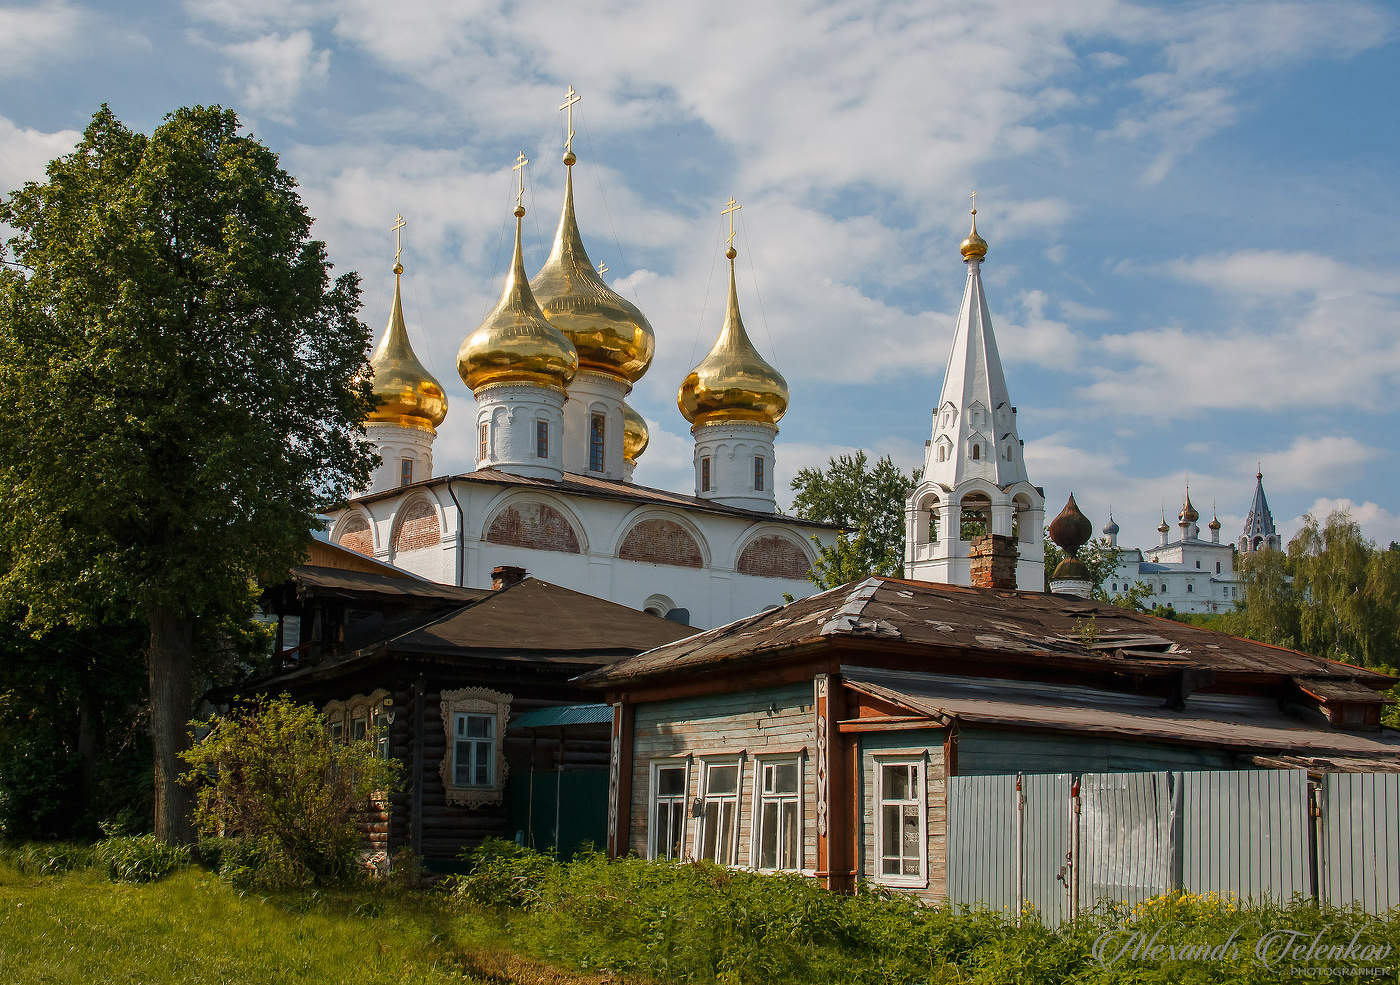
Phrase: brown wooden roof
[1029,629]
[310,578]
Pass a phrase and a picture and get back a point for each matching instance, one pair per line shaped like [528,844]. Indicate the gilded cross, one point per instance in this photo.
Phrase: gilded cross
[974,201]
[729,209]
[398,236]
[602,268]
[519,168]
[567,105]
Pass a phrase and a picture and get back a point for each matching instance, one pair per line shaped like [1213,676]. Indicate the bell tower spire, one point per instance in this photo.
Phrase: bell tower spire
[975,479]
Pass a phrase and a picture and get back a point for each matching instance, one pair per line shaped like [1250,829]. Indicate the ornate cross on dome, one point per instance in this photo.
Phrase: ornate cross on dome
[396,229]
[519,168]
[729,209]
[602,268]
[973,196]
[567,105]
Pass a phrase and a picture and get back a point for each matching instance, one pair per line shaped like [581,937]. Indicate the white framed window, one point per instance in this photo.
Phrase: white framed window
[717,820]
[901,836]
[473,768]
[379,729]
[670,781]
[359,728]
[777,814]
[473,749]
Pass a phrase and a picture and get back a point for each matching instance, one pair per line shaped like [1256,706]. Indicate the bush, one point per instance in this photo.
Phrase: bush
[270,776]
[49,858]
[139,858]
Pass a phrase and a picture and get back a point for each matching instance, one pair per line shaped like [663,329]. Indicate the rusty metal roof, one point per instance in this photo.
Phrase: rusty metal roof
[310,578]
[1028,628]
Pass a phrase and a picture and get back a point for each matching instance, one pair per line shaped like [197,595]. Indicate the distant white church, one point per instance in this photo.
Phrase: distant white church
[1188,573]
[552,492]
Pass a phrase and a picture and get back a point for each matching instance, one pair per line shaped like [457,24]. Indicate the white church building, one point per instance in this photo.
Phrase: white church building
[974,479]
[552,492]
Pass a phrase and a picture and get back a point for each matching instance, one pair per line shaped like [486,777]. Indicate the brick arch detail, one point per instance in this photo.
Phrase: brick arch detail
[661,541]
[418,526]
[535,525]
[356,535]
[773,556]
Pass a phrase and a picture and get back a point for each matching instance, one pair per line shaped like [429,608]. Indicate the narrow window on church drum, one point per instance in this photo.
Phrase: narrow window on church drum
[405,471]
[596,431]
[976,452]
[482,441]
[705,474]
[758,473]
[474,750]
[541,439]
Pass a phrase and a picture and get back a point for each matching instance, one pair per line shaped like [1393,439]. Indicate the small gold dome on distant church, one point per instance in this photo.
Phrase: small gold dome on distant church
[635,436]
[408,394]
[733,383]
[974,247]
[609,333]
[516,343]
[1189,513]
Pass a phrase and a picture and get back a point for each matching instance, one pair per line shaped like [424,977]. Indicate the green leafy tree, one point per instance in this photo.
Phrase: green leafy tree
[271,775]
[184,389]
[867,504]
[1097,556]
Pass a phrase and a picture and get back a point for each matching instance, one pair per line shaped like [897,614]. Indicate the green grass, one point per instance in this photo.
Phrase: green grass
[192,927]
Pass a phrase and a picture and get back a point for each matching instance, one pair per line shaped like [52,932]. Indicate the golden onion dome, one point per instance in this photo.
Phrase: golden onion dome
[974,247]
[609,332]
[407,393]
[1188,512]
[733,384]
[635,436]
[516,343]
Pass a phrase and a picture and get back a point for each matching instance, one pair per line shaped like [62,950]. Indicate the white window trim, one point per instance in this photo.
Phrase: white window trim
[892,758]
[730,759]
[474,701]
[656,766]
[755,832]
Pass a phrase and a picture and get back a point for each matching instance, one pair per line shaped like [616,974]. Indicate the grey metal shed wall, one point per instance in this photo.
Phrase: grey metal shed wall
[1359,846]
[1124,833]
[982,824]
[1245,832]
[985,752]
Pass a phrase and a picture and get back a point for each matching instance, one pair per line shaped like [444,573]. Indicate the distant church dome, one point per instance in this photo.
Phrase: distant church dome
[609,333]
[733,383]
[516,343]
[1188,512]
[635,436]
[1111,529]
[408,394]
[974,247]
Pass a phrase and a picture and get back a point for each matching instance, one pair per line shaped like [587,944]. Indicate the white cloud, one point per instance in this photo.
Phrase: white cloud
[31,35]
[25,152]
[269,72]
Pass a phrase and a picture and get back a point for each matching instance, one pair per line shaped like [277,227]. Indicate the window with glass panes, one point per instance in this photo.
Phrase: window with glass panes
[900,825]
[705,474]
[758,473]
[597,426]
[358,726]
[482,440]
[337,731]
[541,439]
[778,824]
[719,813]
[668,810]
[473,750]
[379,727]
[405,471]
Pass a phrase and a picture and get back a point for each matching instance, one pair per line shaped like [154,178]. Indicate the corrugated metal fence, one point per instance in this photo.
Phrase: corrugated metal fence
[1061,842]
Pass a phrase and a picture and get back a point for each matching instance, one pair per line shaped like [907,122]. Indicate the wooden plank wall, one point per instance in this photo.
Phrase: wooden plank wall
[927,742]
[772,720]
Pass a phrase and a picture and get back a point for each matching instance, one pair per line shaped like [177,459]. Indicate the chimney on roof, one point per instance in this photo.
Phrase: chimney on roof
[506,575]
[993,558]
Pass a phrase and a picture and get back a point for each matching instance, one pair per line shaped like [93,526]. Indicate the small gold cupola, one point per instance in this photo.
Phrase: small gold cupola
[635,436]
[974,247]
[609,332]
[408,394]
[516,343]
[733,383]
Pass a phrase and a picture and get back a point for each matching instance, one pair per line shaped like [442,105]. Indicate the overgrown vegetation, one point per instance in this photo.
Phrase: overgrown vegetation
[697,922]
[868,504]
[278,798]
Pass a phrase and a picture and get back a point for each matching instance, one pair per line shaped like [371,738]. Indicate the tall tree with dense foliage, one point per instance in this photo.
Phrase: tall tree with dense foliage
[184,389]
[868,504]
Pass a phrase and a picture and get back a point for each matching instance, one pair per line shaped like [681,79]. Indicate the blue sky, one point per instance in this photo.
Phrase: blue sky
[1192,209]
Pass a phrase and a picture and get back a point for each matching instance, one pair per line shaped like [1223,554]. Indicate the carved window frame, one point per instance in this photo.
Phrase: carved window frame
[475,701]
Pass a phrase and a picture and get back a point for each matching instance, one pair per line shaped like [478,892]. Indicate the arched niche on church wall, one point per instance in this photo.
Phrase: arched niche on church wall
[771,554]
[355,533]
[1021,527]
[417,526]
[660,539]
[974,515]
[926,518]
[533,523]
